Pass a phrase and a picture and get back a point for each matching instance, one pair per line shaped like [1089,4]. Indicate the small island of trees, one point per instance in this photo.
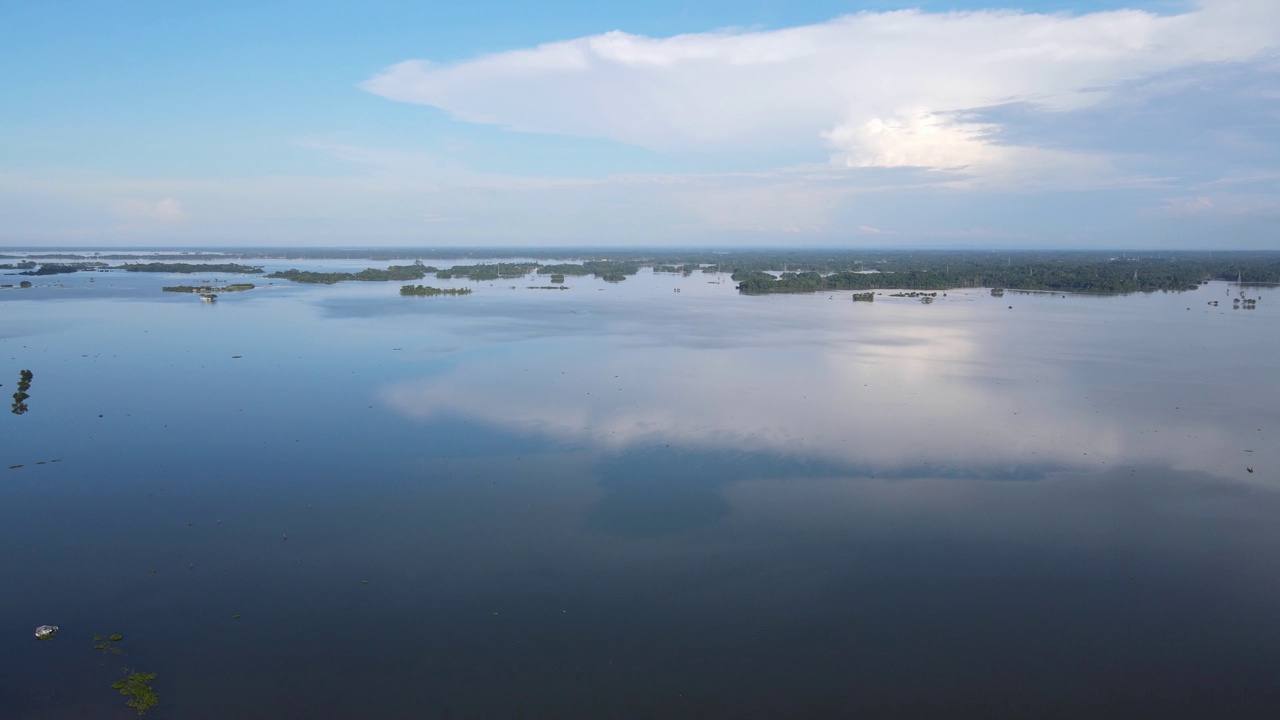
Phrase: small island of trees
[493,271]
[609,270]
[428,291]
[400,273]
[190,268]
[686,269]
[60,268]
[233,287]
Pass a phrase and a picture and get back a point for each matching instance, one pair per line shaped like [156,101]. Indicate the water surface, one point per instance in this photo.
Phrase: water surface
[623,501]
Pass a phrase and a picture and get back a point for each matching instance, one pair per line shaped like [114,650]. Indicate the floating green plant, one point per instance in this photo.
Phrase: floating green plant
[20,398]
[106,643]
[136,687]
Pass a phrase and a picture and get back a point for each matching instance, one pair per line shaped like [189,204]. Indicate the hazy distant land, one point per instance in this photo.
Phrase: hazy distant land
[755,271]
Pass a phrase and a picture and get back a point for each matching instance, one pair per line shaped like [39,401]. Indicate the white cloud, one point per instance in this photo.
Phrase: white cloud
[878,90]
[168,210]
[1188,206]
[917,138]
[1239,205]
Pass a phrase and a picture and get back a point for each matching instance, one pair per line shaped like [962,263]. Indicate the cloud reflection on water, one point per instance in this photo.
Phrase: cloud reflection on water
[933,392]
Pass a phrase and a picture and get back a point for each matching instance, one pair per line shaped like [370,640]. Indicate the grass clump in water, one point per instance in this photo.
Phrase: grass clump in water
[136,686]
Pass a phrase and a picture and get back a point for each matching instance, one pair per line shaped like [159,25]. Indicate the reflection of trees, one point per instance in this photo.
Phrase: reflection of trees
[20,397]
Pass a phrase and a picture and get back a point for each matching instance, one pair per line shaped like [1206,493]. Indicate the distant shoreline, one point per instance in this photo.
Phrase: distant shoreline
[756,272]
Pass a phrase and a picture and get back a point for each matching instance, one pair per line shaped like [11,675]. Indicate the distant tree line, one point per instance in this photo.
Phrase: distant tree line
[187,268]
[398,273]
[608,270]
[779,270]
[60,268]
[1066,272]
[491,271]
[233,287]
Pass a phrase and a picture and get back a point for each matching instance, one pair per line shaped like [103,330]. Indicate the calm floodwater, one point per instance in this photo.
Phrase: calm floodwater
[622,501]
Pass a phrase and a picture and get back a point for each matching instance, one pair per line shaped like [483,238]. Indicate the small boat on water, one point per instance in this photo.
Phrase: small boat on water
[45,632]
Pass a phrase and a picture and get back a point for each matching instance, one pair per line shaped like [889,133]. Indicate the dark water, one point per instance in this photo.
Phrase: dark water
[621,501]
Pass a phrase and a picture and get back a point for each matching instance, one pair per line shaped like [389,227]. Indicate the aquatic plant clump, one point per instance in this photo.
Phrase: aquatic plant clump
[107,643]
[136,687]
[428,291]
[20,398]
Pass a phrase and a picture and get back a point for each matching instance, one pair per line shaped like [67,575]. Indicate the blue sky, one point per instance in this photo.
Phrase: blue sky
[1094,123]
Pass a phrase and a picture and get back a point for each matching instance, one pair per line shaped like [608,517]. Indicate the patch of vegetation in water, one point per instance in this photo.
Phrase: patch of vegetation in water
[63,268]
[311,278]
[107,643]
[233,287]
[603,269]
[1074,271]
[489,271]
[20,398]
[189,268]
[686,269]
[136,686]
[428,291]
[416,271]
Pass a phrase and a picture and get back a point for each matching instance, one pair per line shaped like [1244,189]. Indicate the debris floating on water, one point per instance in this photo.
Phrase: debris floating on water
[46,632]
